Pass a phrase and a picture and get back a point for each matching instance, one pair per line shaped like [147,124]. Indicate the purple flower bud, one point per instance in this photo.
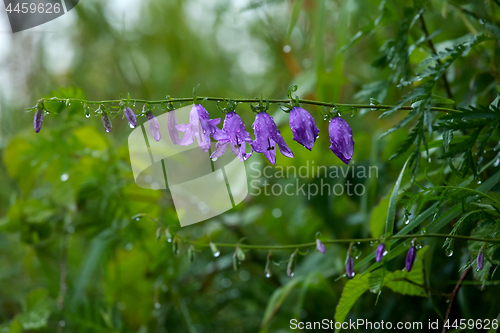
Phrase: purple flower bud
[38,120]
[480,260]
[130,115]
[341,140]
[106,121]
[349,267]
[303,127]
[320,246]
[154,126]
[379,254]
[410,258]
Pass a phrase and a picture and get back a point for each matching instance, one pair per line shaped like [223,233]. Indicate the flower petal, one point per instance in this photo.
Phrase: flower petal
[220,149]
[154,126]
[172,127]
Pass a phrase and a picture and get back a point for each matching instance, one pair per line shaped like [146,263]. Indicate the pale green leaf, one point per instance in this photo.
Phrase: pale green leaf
[353,290]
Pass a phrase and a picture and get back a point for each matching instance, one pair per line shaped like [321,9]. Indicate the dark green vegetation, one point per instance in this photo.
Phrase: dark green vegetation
[72,254]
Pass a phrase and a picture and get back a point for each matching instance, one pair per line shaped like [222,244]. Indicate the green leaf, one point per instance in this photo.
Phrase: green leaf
[277,299]
[378,217]
[293,20]
[391,211]
[399,281]
[38,308]
[353,290]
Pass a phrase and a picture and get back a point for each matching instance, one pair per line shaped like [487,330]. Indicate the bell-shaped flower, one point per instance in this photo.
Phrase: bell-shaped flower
[341,140]
[380,252]
[320,246]
[200,126]
[130,115]
[154,126]
[349,267]
[37,122]
[267,135]
[171,126]
[480,261]
[410,258]
[236,136]
[303,127]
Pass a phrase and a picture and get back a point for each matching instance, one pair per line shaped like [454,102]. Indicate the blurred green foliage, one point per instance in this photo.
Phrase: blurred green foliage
[72,257]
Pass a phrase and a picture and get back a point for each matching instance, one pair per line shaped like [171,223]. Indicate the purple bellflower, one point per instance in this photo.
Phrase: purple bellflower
[202,127]
[341,141]
[379,254]
[303,127]
[320,246]
[130,115]
[267,135]
[154,126]
[37,122]
[480,260]
[237,137]
[172,129]
[410,258]
[349,267]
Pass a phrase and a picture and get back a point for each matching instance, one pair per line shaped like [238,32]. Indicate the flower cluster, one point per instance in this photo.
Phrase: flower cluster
[268,137]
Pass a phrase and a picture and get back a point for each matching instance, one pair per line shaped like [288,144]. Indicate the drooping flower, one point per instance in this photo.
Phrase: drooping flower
[303,127]
[236,136]
[200,126]
[379,254]
[37,122]
[480,261]
[130,115]
[106,121]
[341,140]
[410,258]
[267,135]
[172,129]
[349,267]
[154,126]
[320,246]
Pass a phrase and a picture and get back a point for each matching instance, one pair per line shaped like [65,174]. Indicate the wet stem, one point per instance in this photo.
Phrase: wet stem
[241,100]
[336,241]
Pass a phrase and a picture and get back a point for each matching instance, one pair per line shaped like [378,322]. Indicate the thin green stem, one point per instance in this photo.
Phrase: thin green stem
[338,241]
[238,100]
